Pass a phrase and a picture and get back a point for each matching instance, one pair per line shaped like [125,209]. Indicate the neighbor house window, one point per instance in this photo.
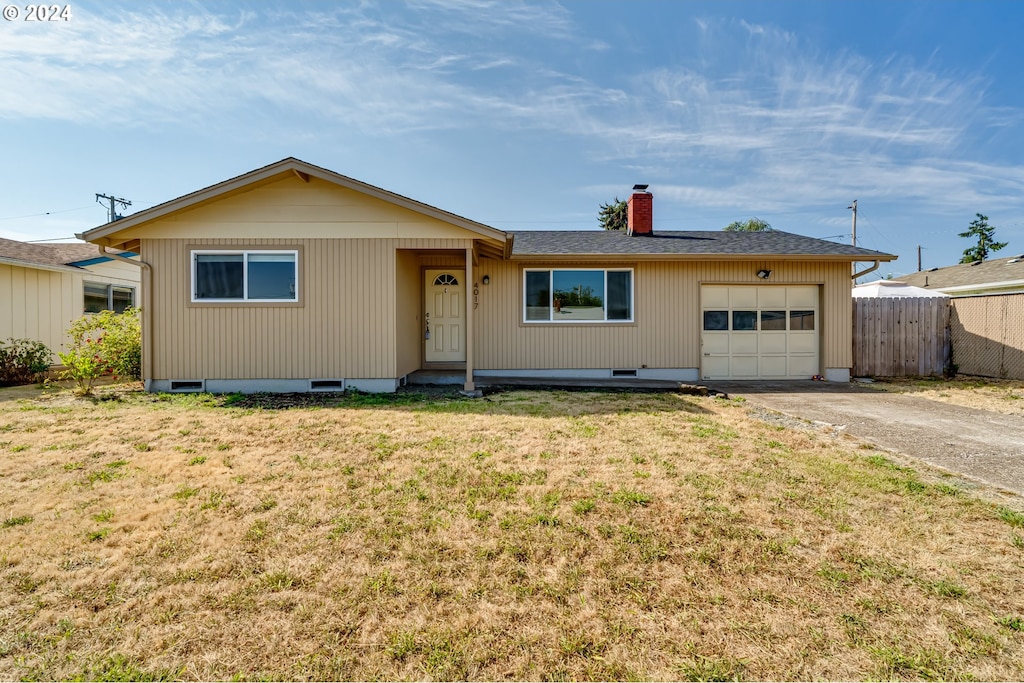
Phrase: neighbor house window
[102,297]
[266,276]
[582,295]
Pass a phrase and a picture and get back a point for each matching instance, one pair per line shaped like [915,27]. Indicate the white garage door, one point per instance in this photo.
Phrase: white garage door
[759,332]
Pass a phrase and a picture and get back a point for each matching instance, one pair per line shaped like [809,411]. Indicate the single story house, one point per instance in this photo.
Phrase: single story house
[296,278]
[44,287]
[995,276]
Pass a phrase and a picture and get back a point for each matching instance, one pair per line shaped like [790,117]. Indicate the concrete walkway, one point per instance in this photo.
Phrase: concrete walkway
[982,445]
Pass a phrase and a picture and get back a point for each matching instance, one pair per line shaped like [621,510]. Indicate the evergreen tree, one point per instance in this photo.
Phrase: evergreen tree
[614,216]
[986,236]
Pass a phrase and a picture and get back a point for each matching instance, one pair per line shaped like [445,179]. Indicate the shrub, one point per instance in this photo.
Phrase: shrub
[103,342]
[22,361]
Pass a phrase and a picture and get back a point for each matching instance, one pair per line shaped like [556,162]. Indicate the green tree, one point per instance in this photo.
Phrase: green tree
[614,216]
[986,236]
[752,225]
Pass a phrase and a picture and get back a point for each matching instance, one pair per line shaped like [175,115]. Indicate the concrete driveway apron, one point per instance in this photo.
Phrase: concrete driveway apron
[983,445]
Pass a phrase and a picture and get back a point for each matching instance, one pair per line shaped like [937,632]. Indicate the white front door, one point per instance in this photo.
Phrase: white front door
[444,315]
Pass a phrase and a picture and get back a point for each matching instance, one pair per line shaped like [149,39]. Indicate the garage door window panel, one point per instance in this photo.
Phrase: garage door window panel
[773,321]
[801,320]
[744,321]
[716,321]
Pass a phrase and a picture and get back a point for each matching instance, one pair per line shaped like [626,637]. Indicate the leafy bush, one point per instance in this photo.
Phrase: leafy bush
[103,342]
[22,361]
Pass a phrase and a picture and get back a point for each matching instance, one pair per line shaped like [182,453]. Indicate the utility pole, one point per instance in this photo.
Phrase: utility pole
[112,214]
[854,207]
[919,258]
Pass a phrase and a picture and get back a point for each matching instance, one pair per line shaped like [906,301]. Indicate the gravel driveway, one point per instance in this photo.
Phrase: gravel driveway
[983,445]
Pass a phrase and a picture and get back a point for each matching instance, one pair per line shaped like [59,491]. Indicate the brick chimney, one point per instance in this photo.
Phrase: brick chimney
[640,212]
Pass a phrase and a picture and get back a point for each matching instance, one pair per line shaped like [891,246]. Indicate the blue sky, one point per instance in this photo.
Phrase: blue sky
[528,116]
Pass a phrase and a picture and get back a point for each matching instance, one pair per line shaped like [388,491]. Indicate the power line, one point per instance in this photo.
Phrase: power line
[45,213]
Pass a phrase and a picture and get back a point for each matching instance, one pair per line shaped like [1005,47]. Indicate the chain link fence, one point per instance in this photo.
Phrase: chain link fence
[987,335]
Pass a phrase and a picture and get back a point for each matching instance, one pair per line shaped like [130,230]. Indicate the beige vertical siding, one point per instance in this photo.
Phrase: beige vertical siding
[349,322]
[41,304]
[407,307]
[666,331]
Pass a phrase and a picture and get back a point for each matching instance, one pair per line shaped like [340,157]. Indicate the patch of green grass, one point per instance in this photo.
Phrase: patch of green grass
[118,667]
[142,447]
[925,664]
[583,507]
[383,583]
[948,589]
[280,580]
[19,448]
[885,463]
[1012,623]
[706,428]
[103,517]
[712,669]
[198,460]
[837,577]
[257,533]
[631,498]
[99,534]
[1012,517]
[342,525]
[17,521]
[401,645]
[184,492]
[214,501]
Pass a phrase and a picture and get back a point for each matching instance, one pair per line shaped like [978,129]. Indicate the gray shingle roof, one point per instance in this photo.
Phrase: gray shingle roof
[686,242]
[966,274]
[47,254]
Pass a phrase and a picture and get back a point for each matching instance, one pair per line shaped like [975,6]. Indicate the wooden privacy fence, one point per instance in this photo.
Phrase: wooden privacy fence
[988,335]
[900,336]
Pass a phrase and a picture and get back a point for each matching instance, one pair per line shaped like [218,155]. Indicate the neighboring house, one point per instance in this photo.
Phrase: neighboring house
[295,278]
[46,286]
[995,276]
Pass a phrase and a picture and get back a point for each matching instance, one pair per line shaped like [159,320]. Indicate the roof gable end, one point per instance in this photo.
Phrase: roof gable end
[108,234]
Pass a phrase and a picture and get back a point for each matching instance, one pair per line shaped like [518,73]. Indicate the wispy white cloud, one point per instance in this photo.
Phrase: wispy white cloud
[753,117]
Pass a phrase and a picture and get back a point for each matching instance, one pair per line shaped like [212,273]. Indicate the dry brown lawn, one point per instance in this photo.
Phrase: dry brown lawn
[528,535]
[998,395]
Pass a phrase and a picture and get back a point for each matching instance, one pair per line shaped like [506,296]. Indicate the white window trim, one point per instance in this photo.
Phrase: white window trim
[551,293]
[245,275]
[110,293]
